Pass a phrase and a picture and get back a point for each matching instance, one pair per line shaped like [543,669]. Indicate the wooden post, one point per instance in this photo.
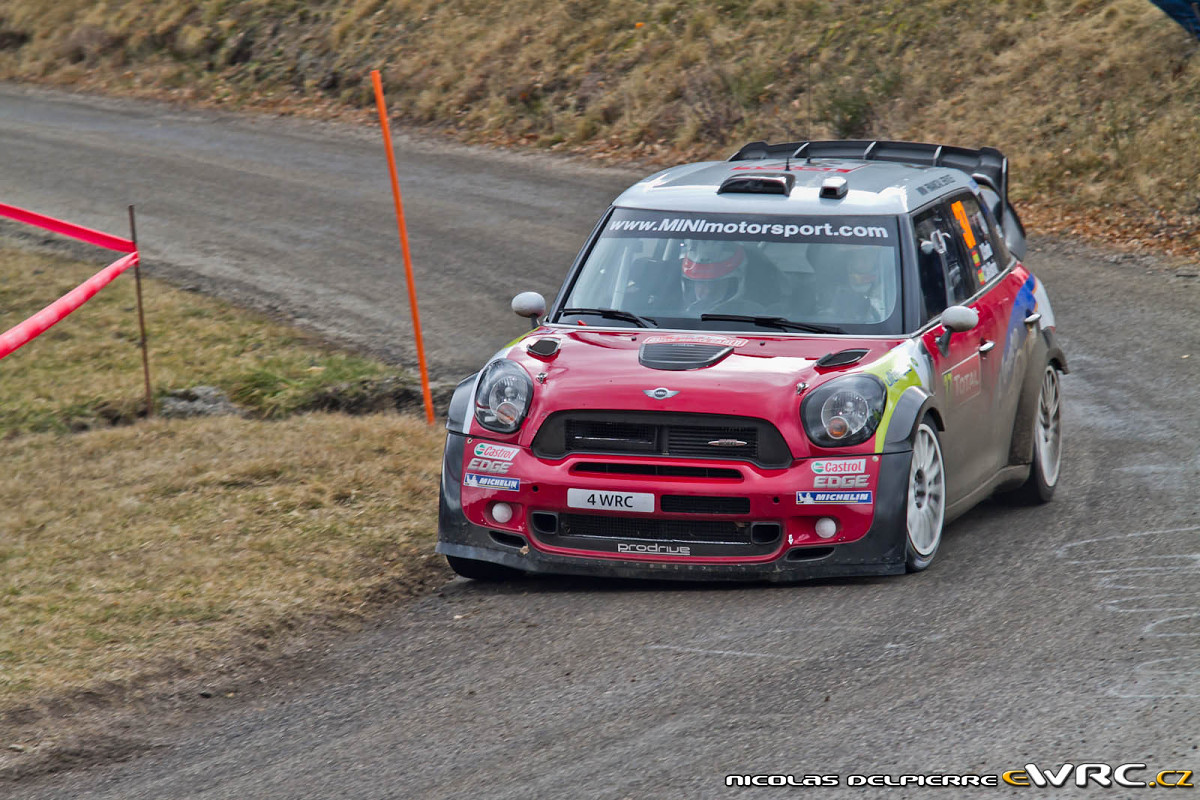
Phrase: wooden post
[137,277]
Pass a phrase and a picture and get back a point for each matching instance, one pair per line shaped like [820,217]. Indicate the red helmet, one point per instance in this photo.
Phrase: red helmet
[708,259]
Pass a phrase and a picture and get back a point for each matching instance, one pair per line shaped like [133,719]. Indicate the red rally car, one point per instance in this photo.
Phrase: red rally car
[801,362]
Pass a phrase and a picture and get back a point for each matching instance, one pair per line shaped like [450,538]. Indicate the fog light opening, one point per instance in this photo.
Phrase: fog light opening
[827,527]
[501,512]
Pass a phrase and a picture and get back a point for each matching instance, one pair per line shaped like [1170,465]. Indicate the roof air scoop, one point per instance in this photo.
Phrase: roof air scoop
[834,188]
[770,183]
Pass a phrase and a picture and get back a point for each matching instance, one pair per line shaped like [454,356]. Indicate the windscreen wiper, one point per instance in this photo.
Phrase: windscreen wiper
[772,322]
[612,313]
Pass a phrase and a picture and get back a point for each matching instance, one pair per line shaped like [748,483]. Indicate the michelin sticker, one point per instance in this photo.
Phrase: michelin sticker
[832,498]
[491,482]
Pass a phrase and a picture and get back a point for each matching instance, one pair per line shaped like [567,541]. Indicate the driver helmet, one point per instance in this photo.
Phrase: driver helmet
[862,271]
[713,270]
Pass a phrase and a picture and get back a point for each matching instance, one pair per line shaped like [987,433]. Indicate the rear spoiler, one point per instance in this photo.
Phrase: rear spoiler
[987,165]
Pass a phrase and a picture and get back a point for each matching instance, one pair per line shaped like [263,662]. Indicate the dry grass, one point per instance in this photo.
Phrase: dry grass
[127,546]
[132,548]
[87,370]
[1095,102]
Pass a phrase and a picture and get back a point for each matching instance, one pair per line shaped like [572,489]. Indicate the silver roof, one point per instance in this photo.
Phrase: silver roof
[875,187]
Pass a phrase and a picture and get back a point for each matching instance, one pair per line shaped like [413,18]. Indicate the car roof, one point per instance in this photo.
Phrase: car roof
[871,177]
[873,187]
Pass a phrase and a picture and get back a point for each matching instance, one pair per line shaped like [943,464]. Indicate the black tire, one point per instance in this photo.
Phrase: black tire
[482,570]
[925,499]
[1047,444]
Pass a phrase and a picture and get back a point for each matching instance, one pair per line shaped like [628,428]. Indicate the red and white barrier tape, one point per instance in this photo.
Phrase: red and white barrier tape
[25,332]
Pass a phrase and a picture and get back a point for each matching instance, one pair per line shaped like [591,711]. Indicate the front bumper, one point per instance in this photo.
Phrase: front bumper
[774,529]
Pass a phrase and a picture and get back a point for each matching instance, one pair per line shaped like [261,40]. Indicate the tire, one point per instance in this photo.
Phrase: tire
[482,570]
[925,499]
[1047,443]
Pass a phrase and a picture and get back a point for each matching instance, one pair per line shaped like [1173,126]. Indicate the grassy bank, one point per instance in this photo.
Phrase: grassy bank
[1096,103]
[87,371]
[155,544]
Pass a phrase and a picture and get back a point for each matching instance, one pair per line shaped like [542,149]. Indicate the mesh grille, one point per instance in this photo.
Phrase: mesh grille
[694,442]
[621,437]
[663,470]
[653,529]
[687,504]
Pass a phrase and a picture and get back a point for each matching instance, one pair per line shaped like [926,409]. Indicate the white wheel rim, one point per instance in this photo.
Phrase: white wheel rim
[1047,435]
[926,493]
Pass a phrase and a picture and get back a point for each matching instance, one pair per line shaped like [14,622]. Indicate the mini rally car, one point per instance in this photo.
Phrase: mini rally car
[801,362]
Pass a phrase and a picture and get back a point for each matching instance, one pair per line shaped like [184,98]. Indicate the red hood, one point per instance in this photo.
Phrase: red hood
[600,370]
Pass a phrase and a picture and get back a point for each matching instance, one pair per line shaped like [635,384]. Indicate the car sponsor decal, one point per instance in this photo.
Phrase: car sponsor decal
[964,380]
[905,366]
[832,498]
[654,549]
[933,185]
[641,502]
[696,338]
[839,466]
[488,465]
[497,452]
[778,165]
[841,481]
[627,222]
[476,481]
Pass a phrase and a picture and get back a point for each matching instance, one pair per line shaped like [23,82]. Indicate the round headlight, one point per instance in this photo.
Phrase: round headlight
[844,411]
[503,396]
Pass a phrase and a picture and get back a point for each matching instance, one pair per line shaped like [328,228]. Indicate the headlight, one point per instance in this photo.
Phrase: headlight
[844,411]
[502,399]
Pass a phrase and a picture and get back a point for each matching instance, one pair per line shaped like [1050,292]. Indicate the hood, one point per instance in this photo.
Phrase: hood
[695,372]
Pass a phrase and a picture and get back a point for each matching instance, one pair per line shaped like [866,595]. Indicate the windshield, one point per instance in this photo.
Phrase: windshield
[678,270]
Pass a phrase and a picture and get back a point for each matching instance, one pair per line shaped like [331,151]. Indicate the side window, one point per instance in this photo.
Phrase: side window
[960,269]
[976,237]
[996,236]
[932,237]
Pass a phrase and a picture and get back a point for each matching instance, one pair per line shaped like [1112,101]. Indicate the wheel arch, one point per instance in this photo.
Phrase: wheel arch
[913,406]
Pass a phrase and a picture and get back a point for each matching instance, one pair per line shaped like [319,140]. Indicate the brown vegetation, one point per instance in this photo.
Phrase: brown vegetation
[156,545]
[1096,103]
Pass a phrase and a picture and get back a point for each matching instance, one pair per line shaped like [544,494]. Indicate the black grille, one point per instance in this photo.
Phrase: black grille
[609,437]
[668,530]
[658,470]
[681,435]
[687,504]
[712,442]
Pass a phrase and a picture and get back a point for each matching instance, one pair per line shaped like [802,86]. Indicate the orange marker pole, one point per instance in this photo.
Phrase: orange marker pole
[412,289]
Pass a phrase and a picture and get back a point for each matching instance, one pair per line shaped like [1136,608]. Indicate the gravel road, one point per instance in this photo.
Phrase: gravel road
[1064,633]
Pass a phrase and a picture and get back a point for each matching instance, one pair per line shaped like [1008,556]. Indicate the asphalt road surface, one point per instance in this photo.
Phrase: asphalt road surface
[1059,634]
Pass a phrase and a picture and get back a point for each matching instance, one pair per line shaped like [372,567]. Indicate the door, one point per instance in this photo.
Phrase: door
[966,365]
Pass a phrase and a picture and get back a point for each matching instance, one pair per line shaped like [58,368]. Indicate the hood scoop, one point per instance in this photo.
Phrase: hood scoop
[674,356]
[842,358]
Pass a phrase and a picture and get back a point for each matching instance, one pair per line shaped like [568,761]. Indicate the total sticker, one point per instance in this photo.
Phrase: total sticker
[497,452]
[840,466]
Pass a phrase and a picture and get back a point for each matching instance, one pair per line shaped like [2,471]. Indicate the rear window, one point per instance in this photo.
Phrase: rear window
[671,268]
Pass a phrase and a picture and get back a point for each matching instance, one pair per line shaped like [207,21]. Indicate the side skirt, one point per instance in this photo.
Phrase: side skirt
[1008,477]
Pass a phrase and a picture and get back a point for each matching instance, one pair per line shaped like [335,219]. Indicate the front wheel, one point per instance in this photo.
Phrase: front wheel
[1047,443]
[926,502]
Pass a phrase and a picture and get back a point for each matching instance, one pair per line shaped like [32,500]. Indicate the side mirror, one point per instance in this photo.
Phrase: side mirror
[956,319]
[529,304]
